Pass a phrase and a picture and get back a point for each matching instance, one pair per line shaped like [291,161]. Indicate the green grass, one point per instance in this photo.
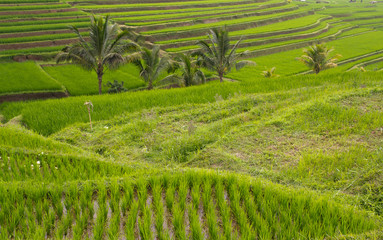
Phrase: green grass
[85,83]
[25,77]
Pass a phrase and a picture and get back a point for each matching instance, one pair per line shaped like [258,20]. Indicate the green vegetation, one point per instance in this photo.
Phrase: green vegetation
[105,50]
[34,78]
[218,55]
[81,82]
[317,58]
[268,152]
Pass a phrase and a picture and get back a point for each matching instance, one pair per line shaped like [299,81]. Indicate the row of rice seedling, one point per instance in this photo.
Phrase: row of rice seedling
[39,38]
[187,4]
[48,26]
[289,25]
[42,15]
[332,33]
[257,40]
[51,51]
[221,23]
[155,25]
[52,168]
[50,21]
[143,16]
[170,12]
[33,7]
[26,1]
[133,208]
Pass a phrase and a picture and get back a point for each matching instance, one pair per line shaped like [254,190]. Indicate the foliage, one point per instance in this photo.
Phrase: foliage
[116,87]
[269,73]
[317,58]
[190,72]
[104,51]
[217,56]
[151,65]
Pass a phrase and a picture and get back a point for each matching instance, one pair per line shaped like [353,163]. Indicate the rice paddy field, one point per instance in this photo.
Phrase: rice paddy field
[298,156]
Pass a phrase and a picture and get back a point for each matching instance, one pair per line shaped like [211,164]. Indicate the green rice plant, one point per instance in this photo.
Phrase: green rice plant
[114,226]
[142,192]
[182,193]
[33,7]
[144,224]
[83,82]
[158,209]
[41,27]
[63,229]
[170,197]
[115,197]
[194,221]
[101,218]
[127,197]
[81,225]
[221,23]
[178,222]
[23,73]
[210,210]
[131,221]
[44,37]
[224,210]
[240,215]
[49,221]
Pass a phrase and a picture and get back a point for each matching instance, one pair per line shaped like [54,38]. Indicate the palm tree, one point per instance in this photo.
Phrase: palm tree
[104,50]
[191,74]
[270,73]
[218,55]
[151,65]
[317,57]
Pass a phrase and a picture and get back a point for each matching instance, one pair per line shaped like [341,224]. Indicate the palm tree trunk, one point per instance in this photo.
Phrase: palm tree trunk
[100,73]
[221,77]
[150,85]
[99,76]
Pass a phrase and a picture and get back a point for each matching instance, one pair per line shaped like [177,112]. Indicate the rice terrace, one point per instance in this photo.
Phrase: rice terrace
[195,119]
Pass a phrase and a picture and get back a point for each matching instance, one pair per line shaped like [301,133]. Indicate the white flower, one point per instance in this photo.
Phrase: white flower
[38,162]
[106,127]
[32,166]
[56,168]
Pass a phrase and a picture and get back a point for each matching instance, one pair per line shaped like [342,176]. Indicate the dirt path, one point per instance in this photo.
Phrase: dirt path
[38,33]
